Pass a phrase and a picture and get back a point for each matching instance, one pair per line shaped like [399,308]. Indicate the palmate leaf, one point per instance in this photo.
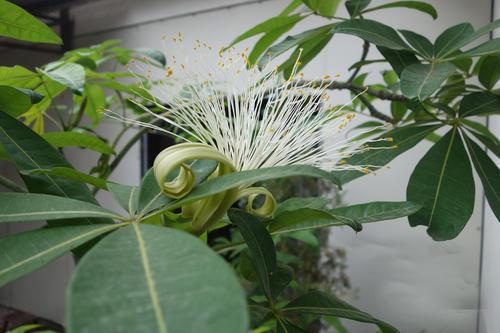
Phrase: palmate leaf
[319,303]
[488,173]
[126,196]
[23,253]
[24,207]
[154,279]
[422,80]
[442,182]
[17,23]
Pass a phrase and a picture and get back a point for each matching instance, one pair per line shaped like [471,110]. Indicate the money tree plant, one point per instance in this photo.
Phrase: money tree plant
[153,266]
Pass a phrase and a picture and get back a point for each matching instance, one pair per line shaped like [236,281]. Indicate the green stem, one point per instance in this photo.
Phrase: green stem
[11,185]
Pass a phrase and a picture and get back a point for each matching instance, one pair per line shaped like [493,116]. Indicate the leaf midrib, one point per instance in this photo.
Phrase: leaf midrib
[155,300]
[441,175]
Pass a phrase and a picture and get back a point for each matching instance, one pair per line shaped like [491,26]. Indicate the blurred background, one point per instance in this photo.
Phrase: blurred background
[395,272]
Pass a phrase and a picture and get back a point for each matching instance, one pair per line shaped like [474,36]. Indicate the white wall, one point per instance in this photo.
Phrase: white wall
[401,275]
[490,288]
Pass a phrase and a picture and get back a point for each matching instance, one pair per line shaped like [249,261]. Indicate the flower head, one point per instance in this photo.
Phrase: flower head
[253,116]
[245,118]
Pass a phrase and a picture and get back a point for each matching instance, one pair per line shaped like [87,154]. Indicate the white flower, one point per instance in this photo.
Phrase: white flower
[253,117]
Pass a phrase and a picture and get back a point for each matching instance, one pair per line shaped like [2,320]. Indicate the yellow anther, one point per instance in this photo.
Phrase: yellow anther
[169,72]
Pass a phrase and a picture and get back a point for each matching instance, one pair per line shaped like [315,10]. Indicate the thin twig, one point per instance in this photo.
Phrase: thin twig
[373,111]
[364,54]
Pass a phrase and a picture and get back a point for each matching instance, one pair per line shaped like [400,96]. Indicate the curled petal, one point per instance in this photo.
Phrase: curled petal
[267,208]
[177,157]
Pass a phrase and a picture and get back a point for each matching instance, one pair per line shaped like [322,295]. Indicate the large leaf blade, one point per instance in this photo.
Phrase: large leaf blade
[154,279]
[442,182]
[77,139]
[373,32]
[422,80]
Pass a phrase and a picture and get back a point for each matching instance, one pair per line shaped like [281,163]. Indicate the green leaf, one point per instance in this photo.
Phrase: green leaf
[354,7]
[479,104]
[442,182]
[271,24]
[25,252]
[489,72]
[452,39]
[292,41]
[298,203]
[71,174]
[399,59]
[260,246]
[376,211]
[319,303]
[24,207]
[490,47]
[286,326]
[323,8]
[488,173]
[417,5]
[307,218]
[126,196]
[68,74]
[95,102]
[422,80]
[420,43]
[29,151]
[265,41]
[305,53]
[403,139]
[154,279]
[77,139]
[372,31]
[17,23]
[460,35]
[233,180]
[154,54]
[398,110]
[14,101]
[19,76]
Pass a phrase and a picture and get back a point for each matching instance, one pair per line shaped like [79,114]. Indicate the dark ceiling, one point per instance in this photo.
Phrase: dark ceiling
[43,6]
